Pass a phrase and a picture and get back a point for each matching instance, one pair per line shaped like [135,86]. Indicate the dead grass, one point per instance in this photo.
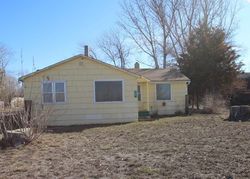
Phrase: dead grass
[199,146]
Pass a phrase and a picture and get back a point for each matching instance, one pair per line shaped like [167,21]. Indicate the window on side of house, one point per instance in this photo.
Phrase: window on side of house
[163,92]
[108,91]
[47,92]
[53,92]
[139,92]
[59,92]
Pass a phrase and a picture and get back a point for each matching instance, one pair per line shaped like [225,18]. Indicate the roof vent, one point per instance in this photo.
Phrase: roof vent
[86,50]
[137,65]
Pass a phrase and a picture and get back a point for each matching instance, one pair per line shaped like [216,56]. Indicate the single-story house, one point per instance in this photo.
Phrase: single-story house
[83,90]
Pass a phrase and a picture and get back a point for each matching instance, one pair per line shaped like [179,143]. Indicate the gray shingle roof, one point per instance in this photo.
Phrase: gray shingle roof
[168,74]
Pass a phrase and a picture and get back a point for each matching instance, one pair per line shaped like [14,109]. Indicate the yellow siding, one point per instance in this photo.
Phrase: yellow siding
[143,104]
[177,102]
[80,107]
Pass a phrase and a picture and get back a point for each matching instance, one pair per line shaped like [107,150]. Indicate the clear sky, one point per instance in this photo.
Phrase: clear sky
[52,30]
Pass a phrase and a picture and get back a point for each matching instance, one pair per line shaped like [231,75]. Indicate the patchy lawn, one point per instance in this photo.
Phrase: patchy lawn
[199,146]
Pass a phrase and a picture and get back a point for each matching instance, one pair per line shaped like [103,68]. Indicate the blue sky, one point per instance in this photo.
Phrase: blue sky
[52,30]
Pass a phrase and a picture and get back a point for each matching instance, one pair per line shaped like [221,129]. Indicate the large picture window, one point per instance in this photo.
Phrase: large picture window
[53,92]
[163,91]
[108,91]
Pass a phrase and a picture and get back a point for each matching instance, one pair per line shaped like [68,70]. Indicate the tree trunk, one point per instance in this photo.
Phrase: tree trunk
[192,102]
[156,63]
[164,61]
[197,101]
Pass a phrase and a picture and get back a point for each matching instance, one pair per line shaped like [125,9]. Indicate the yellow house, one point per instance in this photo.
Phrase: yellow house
[164,92]
[83,90]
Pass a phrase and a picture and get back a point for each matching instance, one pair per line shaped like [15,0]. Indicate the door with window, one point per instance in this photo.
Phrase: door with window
[163,97]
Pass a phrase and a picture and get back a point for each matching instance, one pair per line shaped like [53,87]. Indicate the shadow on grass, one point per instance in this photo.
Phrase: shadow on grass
[78,128]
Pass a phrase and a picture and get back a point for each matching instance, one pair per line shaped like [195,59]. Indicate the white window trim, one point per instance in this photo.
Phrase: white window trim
[138,93]
[53,91]
[171,97]
[123,96]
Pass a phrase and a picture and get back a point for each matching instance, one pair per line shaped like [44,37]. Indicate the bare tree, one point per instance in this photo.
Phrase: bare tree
[164,12]
[9,88]
[189,14]
[4,56]
[4,60]
[161,28]
[139,25]
[149,23]
[92,53]
[114,47]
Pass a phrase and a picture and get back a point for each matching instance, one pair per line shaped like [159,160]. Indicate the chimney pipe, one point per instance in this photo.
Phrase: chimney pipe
[137,65]
[86,50]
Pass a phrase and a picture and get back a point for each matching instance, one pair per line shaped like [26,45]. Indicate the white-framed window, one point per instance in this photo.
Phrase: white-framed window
[53,92]
[108,91]
[163,91]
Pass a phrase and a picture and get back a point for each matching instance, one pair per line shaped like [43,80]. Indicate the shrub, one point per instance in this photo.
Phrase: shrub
[213,103]
[22,127]
[179,113]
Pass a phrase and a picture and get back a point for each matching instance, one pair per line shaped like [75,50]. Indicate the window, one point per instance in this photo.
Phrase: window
[108,91]
[53,92]
[163,91]
[139,92]
[59,92]
[47,92]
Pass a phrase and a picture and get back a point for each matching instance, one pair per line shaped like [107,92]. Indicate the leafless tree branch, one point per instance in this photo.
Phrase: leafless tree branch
[114,47]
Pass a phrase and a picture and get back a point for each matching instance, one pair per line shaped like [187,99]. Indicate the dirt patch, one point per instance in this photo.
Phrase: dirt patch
[199,146]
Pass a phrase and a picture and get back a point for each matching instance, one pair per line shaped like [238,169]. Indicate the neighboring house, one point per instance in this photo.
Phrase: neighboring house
[83,90]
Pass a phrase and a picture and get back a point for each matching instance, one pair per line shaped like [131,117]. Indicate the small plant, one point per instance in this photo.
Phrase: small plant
[155,115]
[178,113]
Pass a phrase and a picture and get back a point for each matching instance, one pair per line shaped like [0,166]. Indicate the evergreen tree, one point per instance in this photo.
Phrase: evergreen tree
[210,61]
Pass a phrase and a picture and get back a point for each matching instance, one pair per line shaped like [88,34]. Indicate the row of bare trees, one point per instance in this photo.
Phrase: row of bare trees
[4,57]
[160,28]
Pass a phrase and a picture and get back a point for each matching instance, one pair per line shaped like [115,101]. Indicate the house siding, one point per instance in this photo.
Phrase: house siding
[143,103]
[176,104]
[80,107]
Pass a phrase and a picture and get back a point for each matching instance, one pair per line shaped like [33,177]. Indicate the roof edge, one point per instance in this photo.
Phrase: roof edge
[22,78]
[48,67]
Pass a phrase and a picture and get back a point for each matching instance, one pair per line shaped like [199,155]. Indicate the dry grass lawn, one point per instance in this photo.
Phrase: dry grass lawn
[198,146]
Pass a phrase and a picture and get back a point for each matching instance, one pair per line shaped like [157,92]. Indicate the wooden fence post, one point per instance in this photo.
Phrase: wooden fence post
[28,107]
